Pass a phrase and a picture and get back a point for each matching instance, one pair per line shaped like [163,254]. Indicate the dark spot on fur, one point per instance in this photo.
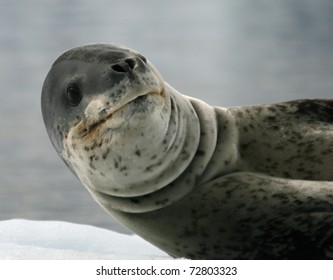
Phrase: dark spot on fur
[135,200]
[162,201]
[185,155]
[280,196]
[245,146]
[106,153]
[271,118]
[92,166]
[123,168]
[200,153]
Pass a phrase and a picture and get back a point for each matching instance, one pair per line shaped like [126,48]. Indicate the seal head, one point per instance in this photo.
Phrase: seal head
[110,116]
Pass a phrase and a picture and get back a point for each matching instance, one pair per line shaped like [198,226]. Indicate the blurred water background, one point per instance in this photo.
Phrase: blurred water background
[226,52]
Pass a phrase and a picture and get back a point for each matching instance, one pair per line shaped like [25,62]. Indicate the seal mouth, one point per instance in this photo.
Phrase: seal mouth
[107,114]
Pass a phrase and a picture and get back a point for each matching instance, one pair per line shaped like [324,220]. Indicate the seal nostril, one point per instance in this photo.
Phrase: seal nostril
[124,66]
[130,62]
[118,68]
[143,58]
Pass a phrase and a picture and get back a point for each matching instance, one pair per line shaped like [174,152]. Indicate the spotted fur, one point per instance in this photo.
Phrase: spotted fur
[197,181]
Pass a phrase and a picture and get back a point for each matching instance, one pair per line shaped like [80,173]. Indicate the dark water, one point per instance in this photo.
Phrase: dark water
[228,53]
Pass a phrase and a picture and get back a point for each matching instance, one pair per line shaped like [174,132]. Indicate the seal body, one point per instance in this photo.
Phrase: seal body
[197,181]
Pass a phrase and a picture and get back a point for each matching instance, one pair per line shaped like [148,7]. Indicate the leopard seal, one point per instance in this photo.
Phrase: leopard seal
[197,181]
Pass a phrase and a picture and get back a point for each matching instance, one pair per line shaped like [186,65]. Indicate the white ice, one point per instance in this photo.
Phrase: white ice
[49,240]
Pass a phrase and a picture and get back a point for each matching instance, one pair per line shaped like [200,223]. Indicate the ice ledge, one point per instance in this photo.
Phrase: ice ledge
[49,240]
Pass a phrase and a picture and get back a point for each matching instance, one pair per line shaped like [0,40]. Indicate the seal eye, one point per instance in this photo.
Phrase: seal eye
[73,95]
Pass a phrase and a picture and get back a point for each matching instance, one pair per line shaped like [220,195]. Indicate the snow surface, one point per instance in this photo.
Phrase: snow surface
[49,240]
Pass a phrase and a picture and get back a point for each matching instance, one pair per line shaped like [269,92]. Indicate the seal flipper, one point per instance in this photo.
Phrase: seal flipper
[243,215]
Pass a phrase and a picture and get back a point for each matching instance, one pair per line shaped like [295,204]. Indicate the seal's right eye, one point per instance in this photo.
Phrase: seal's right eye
[73,95]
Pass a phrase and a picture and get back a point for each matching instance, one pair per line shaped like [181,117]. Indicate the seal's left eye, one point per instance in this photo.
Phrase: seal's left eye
[73,95]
